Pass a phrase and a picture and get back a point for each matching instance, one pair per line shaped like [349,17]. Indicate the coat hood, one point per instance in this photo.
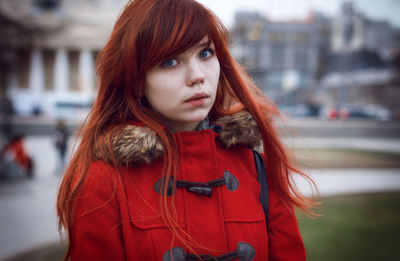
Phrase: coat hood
[135,145]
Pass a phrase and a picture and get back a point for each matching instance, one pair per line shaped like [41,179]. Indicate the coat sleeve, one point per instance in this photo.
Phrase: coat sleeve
[285,242]
[97,233]
[284,238]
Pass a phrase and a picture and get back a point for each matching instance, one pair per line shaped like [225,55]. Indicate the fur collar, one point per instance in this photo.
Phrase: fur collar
[135,145]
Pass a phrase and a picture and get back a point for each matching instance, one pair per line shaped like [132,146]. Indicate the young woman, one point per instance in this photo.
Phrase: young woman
[165,168]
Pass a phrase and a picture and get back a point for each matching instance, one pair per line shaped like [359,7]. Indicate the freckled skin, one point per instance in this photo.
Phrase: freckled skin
[171,85]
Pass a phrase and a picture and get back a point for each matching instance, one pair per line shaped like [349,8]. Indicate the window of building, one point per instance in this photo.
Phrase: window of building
[301,38]
[276,38]
[301,57]
[23,68]
[73,58]
[277,56]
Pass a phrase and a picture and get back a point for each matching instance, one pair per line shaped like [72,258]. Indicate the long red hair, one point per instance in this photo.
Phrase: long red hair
[146,33]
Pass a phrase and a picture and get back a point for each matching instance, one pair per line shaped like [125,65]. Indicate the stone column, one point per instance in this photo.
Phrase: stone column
[36,81]
[61,72]
[86,71]
[36,74]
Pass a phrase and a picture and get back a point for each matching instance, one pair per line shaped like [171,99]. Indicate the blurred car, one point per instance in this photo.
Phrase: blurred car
[70,109]
[299,110]
[356,111]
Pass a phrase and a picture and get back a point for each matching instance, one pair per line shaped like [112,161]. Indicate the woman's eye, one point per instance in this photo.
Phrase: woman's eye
[169,63]
[206,53]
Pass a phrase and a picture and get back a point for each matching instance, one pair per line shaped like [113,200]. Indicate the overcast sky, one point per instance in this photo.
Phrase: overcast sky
[289,9]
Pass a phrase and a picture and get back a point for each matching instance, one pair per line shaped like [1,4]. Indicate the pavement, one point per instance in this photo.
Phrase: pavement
[391,145]
[331,182]
[28,219]
[304,127]
[28,216]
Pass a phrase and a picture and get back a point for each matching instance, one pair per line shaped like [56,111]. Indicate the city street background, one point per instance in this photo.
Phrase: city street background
[331,67]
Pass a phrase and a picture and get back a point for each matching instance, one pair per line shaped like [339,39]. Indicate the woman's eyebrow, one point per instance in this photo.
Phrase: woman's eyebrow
[206,43]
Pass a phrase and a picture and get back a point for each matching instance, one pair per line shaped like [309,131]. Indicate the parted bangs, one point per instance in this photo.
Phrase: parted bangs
[171,28]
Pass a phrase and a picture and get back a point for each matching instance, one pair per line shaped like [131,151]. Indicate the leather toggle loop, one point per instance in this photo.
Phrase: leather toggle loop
[175,254]
[159,186]
[202,190]
[229,180]
[244,252]
[200,187]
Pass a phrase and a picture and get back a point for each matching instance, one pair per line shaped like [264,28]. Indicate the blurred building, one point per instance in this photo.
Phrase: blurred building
[353,31]
[48,50]
[325,60]
[282,57]
[360,69]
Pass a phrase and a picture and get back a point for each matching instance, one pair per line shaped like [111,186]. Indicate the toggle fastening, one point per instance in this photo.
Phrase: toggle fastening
[200,188]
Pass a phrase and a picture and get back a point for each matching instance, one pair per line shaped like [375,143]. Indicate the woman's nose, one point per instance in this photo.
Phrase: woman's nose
[195,73]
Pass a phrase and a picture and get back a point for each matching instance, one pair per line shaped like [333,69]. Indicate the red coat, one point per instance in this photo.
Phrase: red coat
[119,218]
[17,151]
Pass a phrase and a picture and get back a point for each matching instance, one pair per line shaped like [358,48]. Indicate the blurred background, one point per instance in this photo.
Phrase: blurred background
[332,67]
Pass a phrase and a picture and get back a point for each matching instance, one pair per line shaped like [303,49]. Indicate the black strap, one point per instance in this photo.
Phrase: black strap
[200,187]
[262,179]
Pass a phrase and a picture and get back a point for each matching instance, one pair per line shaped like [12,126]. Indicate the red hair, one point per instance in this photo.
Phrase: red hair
[146,33]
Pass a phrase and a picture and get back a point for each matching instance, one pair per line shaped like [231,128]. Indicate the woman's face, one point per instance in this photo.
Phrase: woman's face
[182,89]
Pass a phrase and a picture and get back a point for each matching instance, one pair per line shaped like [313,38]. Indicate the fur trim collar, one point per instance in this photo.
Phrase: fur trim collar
[135,145]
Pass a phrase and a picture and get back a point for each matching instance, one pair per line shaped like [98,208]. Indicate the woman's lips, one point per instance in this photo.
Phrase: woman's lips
[197,99]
